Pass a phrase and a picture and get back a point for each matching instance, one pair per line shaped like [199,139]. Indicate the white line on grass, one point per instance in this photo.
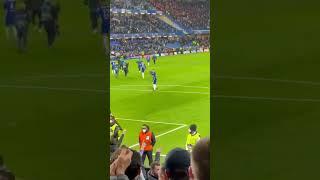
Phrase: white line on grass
[267,98]
[65,75]
[159,91]
[175,129]
[53,88]
[155,122]
[167,85]
[267,79]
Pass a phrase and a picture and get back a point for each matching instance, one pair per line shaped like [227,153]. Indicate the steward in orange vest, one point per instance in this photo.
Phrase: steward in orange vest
[146,140]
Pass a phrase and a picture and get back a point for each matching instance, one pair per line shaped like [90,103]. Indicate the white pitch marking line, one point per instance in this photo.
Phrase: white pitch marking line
[267,79]
[162,134]
[267,98]
[155,122]
[204,87]
[144,90]
[65,75]
[53,88]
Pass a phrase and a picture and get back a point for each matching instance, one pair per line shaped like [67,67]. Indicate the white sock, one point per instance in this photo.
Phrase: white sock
[142,75]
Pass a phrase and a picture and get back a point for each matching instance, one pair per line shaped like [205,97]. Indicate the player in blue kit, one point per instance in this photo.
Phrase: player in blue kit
[125,68]
[22,20]
[93,6]
[10,12]
[34,9]
[116,70]
[49,19]
[148,59]
[143,69]
[104,12]
[113,64]
[154,79]
[139,65]
[154,58]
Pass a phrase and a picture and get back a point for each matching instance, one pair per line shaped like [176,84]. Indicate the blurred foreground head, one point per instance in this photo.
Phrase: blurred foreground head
[200,160]
[177,164]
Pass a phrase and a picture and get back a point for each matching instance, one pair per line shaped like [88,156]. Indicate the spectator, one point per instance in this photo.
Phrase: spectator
[120,164]
[162,174]
[1,163]
[5,174]
[177,164]
[193,14]
[200,161]
[154,171]
[138,23]
[126,164]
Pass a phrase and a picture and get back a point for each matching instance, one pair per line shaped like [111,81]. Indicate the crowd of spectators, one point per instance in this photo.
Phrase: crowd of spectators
[5,173]
[131,4]
[194,14]
[134,47]
[126,164]
[138,23]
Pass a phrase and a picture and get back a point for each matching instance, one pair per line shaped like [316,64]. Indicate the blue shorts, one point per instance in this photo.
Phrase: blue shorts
[155,82]
[9,20]
[105,28]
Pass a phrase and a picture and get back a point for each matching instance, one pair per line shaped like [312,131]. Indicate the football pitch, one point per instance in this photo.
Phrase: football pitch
[182,98]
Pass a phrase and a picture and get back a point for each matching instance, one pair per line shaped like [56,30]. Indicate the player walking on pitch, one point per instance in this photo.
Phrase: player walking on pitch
[154,79]
[104,11]
[21,22]
[143,69]
[49,20]
[10,12]
[148,59]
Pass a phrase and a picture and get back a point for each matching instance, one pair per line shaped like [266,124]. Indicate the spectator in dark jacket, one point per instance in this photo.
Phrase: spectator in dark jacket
[154,171]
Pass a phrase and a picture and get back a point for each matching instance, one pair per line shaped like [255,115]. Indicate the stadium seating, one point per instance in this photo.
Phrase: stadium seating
[134,47]
[131,4]
[138,23]
[190,14]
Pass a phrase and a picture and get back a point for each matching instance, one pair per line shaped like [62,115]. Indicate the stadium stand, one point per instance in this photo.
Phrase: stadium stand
[132,4]
[134,46]
[190,14]
[138,23]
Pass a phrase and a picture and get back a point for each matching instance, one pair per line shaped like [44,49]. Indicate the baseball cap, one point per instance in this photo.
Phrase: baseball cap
[177,159]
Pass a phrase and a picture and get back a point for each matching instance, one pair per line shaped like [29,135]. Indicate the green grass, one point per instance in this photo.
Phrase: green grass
[55,133]
[132,98]
[258,138]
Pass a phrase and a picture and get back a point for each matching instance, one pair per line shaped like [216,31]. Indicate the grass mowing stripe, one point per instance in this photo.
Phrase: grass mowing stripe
[175,129]
[155,122]
[268,98]
[183,92]
[204,87]
[267,79]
